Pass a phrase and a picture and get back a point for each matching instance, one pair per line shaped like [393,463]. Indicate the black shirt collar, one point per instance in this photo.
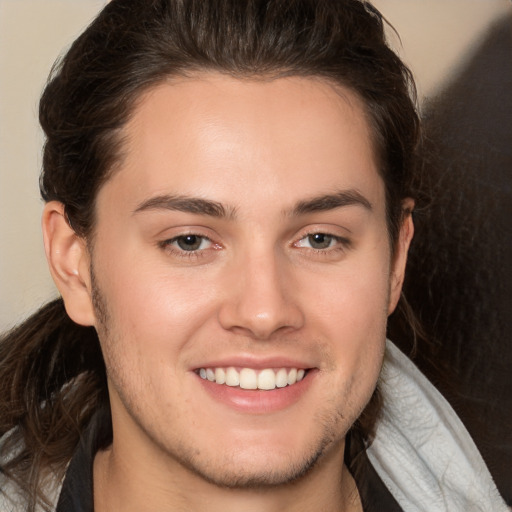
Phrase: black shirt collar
[77,490]
[76,494]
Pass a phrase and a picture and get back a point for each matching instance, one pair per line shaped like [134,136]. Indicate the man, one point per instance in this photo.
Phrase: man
[229,188]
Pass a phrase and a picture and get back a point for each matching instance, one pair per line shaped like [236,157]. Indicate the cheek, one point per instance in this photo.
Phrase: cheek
[355,300]
[163,307]
[352,315]
[151,320]
[153,311]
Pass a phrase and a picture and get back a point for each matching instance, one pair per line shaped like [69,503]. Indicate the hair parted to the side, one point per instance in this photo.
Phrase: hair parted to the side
[51,370]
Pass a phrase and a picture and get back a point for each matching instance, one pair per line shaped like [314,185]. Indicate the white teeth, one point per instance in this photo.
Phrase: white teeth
[267,379]
[220,376]
[292,376]
[232,377]
[282,378]
[248,378]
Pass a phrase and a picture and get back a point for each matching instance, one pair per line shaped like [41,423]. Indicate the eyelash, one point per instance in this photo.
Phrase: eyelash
[341,244]
[168,245]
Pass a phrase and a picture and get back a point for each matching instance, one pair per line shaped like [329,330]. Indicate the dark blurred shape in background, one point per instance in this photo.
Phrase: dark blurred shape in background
[460,276]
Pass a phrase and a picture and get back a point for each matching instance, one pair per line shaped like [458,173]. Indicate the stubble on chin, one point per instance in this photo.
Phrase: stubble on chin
[225,472]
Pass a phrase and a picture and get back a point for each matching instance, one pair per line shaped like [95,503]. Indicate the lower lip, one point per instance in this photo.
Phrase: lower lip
[258,401]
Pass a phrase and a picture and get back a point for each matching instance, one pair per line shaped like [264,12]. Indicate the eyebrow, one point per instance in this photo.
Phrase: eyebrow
[328,202]
[186,204]
[200,206]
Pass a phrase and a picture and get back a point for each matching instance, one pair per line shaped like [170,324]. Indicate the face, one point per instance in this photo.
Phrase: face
[242,277]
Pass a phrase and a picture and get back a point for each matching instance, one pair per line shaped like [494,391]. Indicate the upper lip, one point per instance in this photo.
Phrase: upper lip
[257,363]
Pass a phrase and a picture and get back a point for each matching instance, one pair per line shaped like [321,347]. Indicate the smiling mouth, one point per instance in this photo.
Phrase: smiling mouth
[247,378]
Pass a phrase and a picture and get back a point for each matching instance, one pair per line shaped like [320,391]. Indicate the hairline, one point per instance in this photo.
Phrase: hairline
[121,138]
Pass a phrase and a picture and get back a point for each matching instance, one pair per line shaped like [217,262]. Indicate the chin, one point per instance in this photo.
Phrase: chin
[260,466]
[269,474]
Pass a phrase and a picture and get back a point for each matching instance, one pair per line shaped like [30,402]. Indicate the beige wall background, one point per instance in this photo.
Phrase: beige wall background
[32,34]
[436,39]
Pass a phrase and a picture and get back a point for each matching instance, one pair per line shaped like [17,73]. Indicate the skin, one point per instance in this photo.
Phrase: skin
[257,288]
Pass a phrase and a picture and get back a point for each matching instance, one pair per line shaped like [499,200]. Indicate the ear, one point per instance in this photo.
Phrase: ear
[400,257]
[69,262]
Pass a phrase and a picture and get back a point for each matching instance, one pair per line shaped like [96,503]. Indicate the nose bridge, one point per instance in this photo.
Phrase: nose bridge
[261,301]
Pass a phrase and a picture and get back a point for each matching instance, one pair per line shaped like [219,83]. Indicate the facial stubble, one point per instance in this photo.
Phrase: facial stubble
[334,425]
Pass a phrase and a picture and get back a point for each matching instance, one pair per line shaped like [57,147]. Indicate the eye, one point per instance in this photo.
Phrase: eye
[318,241]
[189,243]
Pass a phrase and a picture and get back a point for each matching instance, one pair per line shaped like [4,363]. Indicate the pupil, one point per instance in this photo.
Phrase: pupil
[320,241]
[189,242]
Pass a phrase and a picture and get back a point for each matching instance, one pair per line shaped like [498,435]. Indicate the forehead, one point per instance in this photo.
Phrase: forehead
[192,135]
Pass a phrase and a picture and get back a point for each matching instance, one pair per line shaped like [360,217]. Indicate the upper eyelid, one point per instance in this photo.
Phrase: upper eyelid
[191,233]
[172,239]
[327,232]
[334,232]
[341,239]
[168,235]
[303,233]
[169,246]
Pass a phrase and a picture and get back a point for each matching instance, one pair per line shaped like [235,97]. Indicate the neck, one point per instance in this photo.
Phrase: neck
[122,483]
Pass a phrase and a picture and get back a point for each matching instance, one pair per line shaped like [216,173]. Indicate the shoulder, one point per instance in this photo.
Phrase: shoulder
[422,451]
[12,497]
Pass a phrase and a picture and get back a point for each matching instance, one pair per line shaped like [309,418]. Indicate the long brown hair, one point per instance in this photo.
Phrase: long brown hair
[51,370]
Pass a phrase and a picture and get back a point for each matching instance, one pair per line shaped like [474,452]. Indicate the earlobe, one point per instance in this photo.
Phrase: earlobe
[68,259]
[400,259]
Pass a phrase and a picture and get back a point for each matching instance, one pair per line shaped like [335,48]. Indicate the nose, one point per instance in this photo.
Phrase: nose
[262,299]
